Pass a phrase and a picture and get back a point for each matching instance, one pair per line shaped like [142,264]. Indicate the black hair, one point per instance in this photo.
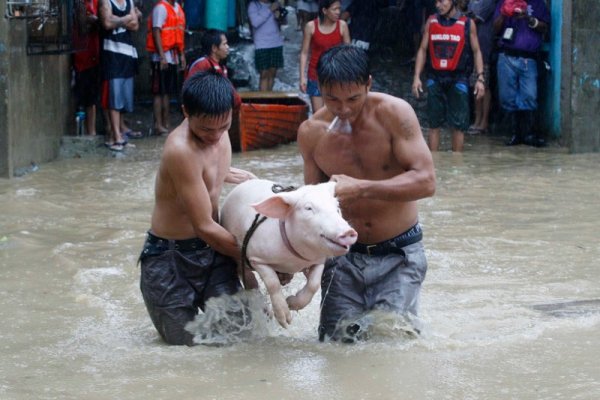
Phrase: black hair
[325,4]
[207,93]
[344,64]
[210,38]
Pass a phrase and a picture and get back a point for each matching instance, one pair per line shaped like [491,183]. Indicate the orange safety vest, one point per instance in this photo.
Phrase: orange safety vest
[171,34]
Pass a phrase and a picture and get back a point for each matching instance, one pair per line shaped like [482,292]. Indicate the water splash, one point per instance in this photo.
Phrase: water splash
[231,319]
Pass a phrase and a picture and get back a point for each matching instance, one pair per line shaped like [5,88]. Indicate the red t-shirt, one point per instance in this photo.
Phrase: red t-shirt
[87,45]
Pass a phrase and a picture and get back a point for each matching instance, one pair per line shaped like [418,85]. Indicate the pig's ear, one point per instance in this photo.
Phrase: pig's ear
[330,187]
[273,207]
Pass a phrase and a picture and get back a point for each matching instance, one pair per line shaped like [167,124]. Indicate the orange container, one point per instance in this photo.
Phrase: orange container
[267,119]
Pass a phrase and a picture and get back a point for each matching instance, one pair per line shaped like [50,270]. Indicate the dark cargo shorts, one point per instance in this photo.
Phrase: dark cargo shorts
[177,278]
[356,283]
[448,104]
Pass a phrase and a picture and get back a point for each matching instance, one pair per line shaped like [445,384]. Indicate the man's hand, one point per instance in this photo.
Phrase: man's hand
[417,87]
[237,176]
[346,187]
[479,89]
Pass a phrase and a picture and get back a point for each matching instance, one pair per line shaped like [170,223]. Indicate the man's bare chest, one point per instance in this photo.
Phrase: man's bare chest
[361,161]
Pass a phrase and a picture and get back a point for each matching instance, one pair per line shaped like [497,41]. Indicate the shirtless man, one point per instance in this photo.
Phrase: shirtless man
[382,166]
[188,257]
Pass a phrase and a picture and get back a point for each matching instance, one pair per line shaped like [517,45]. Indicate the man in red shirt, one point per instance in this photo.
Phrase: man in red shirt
[215,50]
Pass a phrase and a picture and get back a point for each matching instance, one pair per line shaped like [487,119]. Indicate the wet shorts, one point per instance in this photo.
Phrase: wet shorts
[448,102]
[178,277]
[117,94]
[164,81]
[312,88]
[386,277]
[268,58]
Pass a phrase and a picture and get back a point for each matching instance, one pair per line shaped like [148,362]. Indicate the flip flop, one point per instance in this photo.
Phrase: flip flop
[477,131]
[133,134]
[125,144]
[114,146]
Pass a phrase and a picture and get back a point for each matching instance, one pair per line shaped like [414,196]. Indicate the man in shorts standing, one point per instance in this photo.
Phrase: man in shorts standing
[188,257]
[119,64]
[165,42]
[450,38]
[382,166]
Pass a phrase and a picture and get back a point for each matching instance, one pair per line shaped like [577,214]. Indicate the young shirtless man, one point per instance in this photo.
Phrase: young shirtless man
[188,257]
[382,166]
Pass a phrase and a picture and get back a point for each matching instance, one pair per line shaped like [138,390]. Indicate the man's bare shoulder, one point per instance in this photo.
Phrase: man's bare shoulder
[315,125]
[394,113]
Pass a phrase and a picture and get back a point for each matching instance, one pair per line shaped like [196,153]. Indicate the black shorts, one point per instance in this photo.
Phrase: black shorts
[164,81]
[87,86]
[178,277]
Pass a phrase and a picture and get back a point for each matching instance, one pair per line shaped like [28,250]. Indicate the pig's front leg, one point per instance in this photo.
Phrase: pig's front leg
[280,307]
[305,295]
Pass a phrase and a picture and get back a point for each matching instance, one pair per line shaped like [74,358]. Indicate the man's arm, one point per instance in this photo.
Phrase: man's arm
[193,194]
[159,16]
[109,21]
[417,86]
[410,151]
[478,60]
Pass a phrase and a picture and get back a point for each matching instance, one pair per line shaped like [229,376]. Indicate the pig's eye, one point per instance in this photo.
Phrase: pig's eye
[308,208]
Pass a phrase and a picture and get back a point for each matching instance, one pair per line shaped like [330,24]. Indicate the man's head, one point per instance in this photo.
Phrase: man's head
[214,44]
[342,65]
[207,100]
[445,7]
[344,80]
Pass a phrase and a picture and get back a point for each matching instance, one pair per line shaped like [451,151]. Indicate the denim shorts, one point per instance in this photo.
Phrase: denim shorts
[312,88]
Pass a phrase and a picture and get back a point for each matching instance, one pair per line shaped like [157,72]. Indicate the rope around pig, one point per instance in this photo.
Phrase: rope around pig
[258,219]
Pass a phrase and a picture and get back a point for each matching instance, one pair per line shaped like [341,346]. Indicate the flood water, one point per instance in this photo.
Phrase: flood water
[510,303]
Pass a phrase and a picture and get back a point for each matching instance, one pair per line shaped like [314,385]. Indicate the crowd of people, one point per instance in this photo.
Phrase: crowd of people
[371,144]
[492,59]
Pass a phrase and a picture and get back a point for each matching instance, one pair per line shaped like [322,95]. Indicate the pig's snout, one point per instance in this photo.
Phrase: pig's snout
[347,238]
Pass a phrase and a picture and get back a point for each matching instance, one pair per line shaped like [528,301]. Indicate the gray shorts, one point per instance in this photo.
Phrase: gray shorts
[177,278]
[118,95]
[357,283]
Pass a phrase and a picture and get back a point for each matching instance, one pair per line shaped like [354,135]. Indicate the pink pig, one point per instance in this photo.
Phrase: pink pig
[303,227]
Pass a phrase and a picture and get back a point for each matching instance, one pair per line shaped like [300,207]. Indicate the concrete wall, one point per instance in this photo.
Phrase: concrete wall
[36,100]
[581,129]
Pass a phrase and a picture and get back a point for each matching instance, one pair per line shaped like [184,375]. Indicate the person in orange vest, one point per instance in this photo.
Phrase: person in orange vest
[450,39]
[165,42]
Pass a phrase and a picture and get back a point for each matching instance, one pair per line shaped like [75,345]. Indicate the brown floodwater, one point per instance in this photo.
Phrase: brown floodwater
[510,305]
